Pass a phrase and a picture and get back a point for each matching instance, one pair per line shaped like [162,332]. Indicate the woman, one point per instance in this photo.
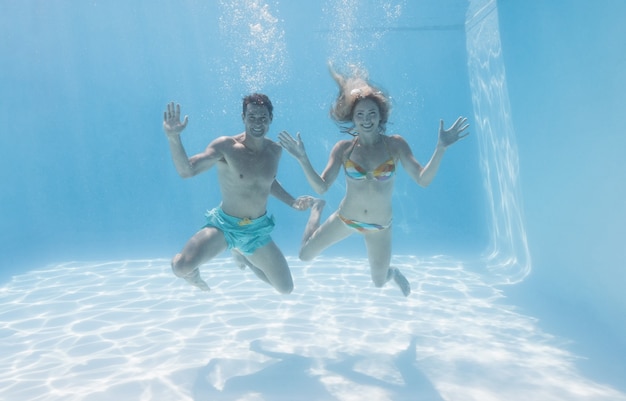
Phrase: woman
[369,161]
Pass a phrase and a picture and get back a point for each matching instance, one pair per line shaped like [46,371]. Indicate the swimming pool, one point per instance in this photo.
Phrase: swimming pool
[90,309]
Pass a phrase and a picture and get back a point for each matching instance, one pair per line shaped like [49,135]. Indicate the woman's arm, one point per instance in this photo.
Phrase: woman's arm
[319,183]
[425,175]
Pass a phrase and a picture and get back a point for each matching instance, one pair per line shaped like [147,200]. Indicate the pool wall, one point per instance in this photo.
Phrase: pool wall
[565,69]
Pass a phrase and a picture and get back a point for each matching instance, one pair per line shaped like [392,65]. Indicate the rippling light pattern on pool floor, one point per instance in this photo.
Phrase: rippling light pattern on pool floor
[130,330]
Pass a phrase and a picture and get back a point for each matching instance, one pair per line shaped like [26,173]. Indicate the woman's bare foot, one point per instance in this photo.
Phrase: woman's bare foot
[317,205]
[400,280]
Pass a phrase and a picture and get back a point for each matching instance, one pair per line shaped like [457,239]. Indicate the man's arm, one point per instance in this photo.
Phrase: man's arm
[185,166]
[301,203]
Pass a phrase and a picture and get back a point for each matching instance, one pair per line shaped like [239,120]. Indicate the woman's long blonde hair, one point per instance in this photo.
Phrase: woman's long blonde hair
[352,89]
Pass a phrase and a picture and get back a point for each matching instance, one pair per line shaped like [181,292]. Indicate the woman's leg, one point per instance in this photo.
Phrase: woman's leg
[314,220]
[378,245]
[317,238]
[379,254]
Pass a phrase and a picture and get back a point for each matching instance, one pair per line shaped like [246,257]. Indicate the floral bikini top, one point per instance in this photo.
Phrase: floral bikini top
[381,173]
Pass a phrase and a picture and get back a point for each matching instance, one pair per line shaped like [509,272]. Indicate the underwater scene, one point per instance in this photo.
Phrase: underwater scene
[504,274]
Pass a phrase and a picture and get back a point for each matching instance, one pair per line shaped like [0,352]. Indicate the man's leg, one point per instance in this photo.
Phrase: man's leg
[270,265]
[242,262]
[204,245]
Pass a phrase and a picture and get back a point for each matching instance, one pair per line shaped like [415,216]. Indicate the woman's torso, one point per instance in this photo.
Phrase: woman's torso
[370,175]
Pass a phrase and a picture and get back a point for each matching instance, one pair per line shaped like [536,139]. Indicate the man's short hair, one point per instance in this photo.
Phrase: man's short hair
[258,99]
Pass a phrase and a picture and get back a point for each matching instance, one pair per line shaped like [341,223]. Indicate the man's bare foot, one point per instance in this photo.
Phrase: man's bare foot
[239,259]
[194,279]
[242,262]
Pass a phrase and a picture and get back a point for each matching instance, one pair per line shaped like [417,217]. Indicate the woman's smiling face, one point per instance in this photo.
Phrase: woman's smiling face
[366,116]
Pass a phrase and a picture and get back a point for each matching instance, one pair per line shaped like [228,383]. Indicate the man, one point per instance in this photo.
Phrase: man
[246,168]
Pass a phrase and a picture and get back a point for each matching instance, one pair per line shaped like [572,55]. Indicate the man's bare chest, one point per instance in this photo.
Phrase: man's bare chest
[251,166]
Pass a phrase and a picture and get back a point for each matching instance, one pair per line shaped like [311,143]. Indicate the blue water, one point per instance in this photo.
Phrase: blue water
[515,251]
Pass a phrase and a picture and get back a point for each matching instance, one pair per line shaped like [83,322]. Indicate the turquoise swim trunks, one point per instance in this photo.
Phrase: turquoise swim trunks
[246,235]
